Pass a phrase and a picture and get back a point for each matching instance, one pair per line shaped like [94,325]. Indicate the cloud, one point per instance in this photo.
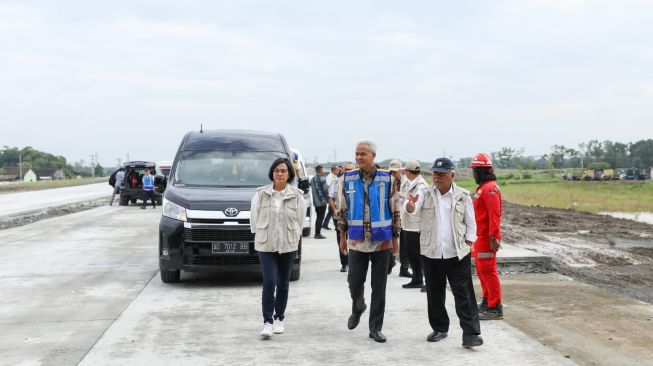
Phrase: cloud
[515,73]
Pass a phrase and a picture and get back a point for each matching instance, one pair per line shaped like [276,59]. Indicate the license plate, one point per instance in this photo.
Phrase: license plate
[229,248]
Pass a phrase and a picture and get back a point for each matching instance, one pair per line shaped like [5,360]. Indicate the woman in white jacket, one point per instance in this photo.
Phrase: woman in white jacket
[277,215]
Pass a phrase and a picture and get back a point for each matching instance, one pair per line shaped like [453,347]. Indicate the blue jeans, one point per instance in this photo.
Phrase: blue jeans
[276,274]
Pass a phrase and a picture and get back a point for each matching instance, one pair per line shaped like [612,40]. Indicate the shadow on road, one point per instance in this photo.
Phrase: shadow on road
[219,279]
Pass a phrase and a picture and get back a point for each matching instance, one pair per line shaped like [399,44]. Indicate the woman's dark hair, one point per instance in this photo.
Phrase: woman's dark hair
[484,174]
[291,170]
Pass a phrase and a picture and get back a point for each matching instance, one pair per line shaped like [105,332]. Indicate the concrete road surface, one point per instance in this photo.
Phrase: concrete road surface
[84,287]
[15,203]
[64,281]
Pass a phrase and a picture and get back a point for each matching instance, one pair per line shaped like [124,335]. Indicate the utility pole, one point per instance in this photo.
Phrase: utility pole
[20,165]
[127,157]
[119,162]
[92,166]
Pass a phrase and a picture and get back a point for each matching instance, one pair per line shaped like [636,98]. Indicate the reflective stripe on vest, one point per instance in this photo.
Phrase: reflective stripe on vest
[380,215]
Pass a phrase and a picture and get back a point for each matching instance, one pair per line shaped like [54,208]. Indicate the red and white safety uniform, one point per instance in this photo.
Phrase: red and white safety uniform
[487,208]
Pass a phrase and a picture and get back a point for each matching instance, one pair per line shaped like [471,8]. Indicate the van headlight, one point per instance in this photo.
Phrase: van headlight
[174,211]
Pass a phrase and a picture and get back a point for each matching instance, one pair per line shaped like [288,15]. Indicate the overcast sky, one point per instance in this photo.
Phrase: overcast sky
[421,78]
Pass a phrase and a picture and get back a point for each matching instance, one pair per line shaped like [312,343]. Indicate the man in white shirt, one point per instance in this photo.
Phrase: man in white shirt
[447,230]
[334,206]
[331,181]
[401,182]
[409,238]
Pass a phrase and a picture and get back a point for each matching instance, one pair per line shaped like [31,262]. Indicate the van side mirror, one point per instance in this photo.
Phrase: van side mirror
[161,180]
[304,184]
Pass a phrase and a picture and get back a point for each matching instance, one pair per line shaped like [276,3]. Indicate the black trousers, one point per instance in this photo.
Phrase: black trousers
[319,219]
[403,252]
[410,241]
[358,265]
[328,217]
[459,274]
[148,195]
[344,259]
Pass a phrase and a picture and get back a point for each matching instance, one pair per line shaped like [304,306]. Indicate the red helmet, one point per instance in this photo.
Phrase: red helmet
[481,160]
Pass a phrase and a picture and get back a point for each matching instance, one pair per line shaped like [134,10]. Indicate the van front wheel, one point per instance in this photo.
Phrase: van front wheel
[170,276]
[296,271]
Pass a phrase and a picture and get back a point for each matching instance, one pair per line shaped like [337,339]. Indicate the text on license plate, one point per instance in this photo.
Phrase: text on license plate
[230,247]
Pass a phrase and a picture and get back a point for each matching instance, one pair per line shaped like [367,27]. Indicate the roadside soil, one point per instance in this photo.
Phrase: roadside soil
[582,322]
[8,222]
[615,254]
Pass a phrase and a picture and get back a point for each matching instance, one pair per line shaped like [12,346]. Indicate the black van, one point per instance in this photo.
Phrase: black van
[206,207]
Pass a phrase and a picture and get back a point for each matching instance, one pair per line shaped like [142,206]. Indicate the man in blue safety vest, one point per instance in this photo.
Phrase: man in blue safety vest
[369,228]
[148,189]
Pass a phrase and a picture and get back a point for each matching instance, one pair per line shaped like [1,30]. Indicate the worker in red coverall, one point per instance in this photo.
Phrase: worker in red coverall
[487,209]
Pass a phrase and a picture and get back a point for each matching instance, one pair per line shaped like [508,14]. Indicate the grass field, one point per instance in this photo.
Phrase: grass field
[47,184]
[581,196]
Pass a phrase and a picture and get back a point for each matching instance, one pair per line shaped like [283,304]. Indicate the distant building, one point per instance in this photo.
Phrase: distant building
[30,176]
[50,174]
[79,175]
[13,173]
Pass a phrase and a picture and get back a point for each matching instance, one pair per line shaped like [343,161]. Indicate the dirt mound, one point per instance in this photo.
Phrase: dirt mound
[616,254]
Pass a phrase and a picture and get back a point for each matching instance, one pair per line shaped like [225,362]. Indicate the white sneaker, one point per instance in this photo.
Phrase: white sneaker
[278,326]
[267,330]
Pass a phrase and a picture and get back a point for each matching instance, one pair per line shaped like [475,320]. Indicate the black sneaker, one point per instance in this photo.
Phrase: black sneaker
[472,341]
[436,336]
[492,313]
[319,236]
[142,207]
[482,307]
[412,285]
[423,289]
[404,272]
[343,269]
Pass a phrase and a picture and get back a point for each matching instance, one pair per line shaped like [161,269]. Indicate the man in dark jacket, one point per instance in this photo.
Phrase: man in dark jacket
[320,195]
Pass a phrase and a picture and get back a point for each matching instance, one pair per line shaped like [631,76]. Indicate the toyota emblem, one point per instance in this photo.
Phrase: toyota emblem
[231,212]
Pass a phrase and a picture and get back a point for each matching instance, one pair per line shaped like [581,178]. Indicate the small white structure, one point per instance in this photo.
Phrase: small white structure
[30,176]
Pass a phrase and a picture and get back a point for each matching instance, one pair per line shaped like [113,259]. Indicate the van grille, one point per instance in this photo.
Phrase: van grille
[217,221]
[209,235]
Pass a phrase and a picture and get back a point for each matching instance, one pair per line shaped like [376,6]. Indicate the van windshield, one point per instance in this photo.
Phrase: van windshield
[224,168]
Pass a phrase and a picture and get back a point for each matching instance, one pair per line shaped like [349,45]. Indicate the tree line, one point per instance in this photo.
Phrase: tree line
[593,154]
[31,158]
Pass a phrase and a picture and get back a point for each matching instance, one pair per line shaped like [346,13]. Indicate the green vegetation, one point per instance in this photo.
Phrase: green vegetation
[583,196]
[546,188]
[47,184]
[32,159]
[602,154]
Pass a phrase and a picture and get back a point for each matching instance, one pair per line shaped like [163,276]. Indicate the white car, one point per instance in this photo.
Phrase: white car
[300,174]
[165,166]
